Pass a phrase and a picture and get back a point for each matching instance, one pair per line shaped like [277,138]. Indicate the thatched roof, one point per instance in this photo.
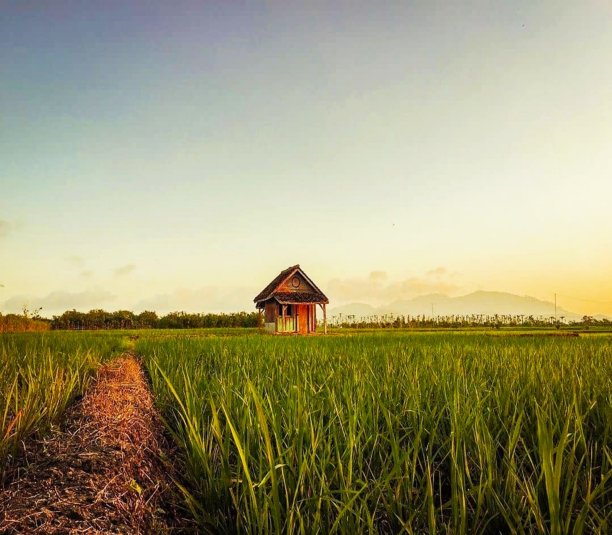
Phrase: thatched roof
[269,292]
[285,298]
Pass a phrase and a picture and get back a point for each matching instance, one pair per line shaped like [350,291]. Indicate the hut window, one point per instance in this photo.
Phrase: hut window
[288,310]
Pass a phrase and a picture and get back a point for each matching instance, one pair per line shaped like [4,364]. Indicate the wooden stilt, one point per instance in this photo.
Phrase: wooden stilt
[313,315]
[324,319]
[283,323]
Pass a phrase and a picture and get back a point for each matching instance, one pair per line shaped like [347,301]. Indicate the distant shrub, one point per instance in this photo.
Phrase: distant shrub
[17,323]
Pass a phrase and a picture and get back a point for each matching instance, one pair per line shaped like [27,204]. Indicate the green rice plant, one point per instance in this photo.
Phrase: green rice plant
[371,433]
[40,374]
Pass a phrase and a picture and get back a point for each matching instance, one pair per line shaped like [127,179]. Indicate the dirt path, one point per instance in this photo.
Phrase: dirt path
[104,471]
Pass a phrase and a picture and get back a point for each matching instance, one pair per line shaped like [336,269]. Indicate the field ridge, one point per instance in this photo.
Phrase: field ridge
[106,470]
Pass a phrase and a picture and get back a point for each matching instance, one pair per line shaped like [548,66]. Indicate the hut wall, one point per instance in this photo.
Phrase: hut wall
[287,327]
[270,312]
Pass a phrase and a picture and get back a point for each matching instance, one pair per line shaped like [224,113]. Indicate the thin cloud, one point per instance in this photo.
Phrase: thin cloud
[124,270]
[437,272]
[377,289]
[86,273]
[75,260]
[205,299]
[378,276]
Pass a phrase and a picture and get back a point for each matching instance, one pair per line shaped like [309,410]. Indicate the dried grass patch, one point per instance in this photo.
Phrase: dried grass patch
[107,470]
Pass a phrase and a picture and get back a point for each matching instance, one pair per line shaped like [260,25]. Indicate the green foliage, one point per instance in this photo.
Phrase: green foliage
[124,319]
[430,433]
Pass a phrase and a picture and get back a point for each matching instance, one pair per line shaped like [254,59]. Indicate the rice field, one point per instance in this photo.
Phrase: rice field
[390,433]
[40,375]
[354,433]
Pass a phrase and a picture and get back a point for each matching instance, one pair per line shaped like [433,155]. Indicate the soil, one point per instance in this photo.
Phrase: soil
[107,470]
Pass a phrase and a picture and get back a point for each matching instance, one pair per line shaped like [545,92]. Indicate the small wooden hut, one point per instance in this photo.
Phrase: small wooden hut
[289,303]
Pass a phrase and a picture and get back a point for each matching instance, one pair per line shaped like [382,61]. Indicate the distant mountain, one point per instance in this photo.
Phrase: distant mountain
[481,302]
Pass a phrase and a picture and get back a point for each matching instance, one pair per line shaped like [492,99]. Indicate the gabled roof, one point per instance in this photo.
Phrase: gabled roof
[269,291]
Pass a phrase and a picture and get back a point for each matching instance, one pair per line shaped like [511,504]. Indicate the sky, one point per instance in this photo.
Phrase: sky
[178,155]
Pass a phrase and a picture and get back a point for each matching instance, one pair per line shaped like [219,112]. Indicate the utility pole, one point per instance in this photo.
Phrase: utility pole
[555,307]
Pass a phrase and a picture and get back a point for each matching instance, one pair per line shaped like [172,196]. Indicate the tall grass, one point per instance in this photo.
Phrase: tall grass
[40,374]
[391,433]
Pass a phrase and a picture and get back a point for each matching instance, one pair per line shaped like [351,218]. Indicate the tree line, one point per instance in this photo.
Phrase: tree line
[125,319]
[458,321]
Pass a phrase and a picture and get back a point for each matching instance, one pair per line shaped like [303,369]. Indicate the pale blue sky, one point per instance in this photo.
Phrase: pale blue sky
[178,155]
